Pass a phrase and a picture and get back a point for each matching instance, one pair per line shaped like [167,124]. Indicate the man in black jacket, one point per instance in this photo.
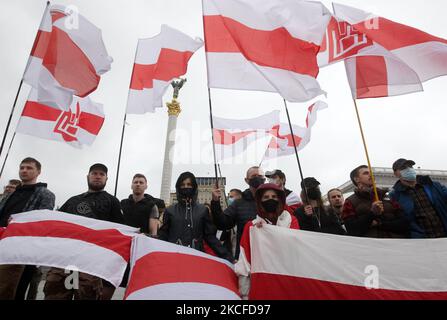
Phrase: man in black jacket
[188,223]
[96,203]
[14,279]
[240,211]
[140,209]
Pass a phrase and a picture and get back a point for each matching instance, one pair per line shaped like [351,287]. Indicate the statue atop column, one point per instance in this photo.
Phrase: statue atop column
[174,105]
[177,85]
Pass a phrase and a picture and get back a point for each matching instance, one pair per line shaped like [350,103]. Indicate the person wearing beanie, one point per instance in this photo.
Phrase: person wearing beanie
[270,205]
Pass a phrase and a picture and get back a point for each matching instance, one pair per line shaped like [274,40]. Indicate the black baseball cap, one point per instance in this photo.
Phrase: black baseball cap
[403,163]
[99,167]
[309,183]
[276,172]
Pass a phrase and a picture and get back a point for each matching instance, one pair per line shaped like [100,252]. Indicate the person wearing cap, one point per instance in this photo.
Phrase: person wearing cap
[424,201]
[364,216]
[96,203]
[270,202]
[240,211]
[278,177]
[314,216]
[30,195]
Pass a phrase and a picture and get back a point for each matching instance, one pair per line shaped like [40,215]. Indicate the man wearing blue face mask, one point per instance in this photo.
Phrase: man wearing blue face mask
[423,201]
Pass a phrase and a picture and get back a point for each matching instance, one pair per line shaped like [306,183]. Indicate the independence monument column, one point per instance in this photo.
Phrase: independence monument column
[173,112]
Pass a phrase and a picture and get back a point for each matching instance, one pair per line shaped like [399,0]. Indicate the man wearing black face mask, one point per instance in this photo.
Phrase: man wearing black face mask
[188,222]
[313,216]
[240,211]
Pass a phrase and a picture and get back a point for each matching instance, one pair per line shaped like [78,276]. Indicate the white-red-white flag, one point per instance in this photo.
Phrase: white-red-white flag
[158,61]
[164,271]
[232,137]
[383,58]
[264,45]
[67,241]
[68,57]
[282,143]
[299,265]
[77,127]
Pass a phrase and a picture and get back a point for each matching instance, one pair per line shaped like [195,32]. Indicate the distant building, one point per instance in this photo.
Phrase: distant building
[385,178]
[205,186]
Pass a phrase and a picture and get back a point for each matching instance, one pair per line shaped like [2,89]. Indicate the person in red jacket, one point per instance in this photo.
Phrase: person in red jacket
[270,204]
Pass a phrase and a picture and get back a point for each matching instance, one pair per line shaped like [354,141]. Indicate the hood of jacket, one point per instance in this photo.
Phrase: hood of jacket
[265,187]
[183,177]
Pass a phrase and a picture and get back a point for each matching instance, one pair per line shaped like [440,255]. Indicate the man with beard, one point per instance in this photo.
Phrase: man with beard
[96,203]
[240,211]
[14,279]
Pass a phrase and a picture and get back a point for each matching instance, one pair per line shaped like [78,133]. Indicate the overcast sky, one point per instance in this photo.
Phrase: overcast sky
[411,126]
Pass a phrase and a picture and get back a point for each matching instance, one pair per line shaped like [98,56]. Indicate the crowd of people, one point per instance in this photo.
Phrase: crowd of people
[416,207]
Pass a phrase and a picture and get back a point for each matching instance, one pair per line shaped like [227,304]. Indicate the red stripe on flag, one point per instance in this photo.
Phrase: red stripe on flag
[91,123]
[393,35]
[41,44]
[275,49]
[275,132]
[371,77]
[69,65]
[56,15]
[166,267]
[170,64]
[109,239]
[280,287]
[224,137]
[40,111]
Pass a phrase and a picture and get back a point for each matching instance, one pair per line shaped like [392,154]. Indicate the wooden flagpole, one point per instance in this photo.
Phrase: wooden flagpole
[376,195]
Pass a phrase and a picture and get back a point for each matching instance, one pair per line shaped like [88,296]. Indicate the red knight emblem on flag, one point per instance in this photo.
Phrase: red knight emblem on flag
[342,40]
[68,124]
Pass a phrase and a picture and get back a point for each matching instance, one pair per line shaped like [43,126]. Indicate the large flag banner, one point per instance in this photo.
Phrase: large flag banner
[383,58]
[67,241]
[282,143]
[376,72]
[424,53]
[165,271]
[77,127]
[68,57]
[158,61]
[299,265]
[267,46]
[233,137]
